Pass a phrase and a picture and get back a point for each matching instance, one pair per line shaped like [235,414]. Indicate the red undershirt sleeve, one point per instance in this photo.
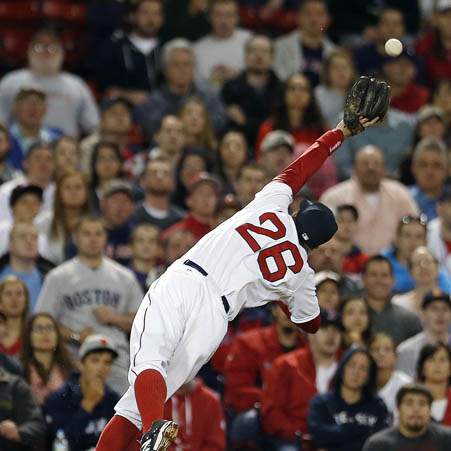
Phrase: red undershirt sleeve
[310,326]
[301,169]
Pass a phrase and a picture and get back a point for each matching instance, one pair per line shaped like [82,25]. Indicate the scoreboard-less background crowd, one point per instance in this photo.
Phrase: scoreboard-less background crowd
[130,129]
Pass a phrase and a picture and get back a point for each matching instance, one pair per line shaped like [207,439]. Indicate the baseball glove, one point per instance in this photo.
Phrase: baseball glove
[369,98]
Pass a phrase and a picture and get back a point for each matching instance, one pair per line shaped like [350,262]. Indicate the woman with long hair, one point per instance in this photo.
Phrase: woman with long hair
[338,74]
[297,113]
[106,166]
[389,380]
[70,204]
[232,156]
[14,303]
[198,128]
[67,155]
[192,162]
[356,321]
[434,370]
[45,359]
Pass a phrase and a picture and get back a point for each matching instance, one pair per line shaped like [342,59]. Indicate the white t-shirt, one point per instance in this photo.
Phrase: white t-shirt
[438,409]
[212,52]
[70,104]
[324,374]
[390,389]
[144,45]
[255,257]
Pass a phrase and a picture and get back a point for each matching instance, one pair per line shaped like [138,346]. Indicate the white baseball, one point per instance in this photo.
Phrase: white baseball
[393,47]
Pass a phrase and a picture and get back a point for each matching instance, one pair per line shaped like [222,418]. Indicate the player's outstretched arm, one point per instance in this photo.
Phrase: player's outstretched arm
[366,103]
[301,169]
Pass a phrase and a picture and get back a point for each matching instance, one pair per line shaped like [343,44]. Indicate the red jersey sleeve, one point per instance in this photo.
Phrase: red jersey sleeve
[301,169]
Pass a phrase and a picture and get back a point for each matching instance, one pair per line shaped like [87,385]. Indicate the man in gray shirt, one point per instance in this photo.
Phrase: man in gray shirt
[415,432]
[386,317]
[436,323]
[70,104]
[93,294]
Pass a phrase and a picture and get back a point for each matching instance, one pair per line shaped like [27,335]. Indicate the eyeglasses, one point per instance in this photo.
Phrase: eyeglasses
[41,329]
[409,219]
[50,48]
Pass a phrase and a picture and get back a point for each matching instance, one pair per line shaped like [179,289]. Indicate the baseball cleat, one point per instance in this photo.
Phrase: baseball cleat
[161,435]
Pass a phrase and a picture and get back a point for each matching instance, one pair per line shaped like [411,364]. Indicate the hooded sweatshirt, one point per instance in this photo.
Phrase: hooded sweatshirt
[336,425]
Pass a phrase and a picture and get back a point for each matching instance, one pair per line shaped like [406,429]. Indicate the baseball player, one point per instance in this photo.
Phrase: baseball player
[257,256]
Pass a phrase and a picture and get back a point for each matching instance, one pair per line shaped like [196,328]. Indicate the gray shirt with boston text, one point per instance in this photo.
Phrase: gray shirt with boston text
[72,291]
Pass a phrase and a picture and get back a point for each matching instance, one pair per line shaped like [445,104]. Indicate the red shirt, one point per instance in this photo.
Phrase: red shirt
[412,99]
[250,357]
[354,262]
[190,223]
[14,349]
[447,417]
[437,65]
[290,385]
[200,418]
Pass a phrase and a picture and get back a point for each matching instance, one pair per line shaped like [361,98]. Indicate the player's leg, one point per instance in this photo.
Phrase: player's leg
[157,328]
[119,434]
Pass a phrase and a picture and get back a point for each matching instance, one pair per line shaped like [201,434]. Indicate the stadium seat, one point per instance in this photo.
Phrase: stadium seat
[14,44]
[19,11]
[74,13]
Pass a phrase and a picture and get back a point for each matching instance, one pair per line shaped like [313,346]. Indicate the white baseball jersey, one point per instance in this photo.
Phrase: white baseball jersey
[255,257]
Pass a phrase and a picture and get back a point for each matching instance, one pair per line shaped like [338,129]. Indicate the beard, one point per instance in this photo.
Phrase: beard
[159,191]
[415,427]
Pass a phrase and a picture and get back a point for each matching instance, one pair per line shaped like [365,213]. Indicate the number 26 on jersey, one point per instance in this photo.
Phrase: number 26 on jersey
[276,252]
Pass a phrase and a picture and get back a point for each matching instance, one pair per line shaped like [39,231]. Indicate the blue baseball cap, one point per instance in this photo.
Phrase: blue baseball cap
[315,224]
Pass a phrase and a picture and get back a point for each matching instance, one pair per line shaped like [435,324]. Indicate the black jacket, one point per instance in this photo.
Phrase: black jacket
[82,429]
[256,104]
[336,425]
[18,404]
[122,65]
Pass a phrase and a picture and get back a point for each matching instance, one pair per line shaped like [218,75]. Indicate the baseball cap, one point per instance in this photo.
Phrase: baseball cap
[330,318]
[429,111]
[204,177]
[324,276]
[21,190]
[436,296]
[277,138]
[118,186]
[315,224]
[443,5]
[96,342]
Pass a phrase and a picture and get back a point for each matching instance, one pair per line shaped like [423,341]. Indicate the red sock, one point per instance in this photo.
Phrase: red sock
[150,393]
[119,435]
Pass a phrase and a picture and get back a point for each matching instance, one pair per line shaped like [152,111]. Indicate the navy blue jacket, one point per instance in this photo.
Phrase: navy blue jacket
[122,65]
[82,429]
[338,426]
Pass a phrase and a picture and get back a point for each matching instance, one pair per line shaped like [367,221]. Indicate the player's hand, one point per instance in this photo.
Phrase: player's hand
[105,315]
[94,392]
[9,430]
[363,121]
[368,98]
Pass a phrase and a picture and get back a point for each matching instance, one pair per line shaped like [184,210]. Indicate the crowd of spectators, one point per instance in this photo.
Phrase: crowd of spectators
[130,129]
